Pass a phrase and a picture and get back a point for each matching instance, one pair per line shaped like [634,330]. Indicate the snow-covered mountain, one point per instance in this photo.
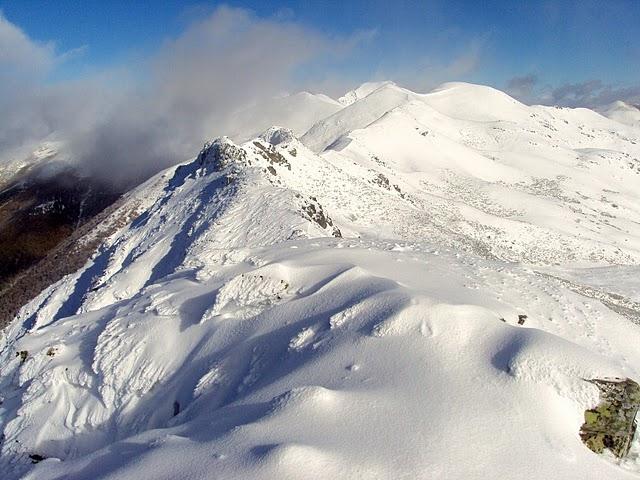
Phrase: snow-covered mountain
[362,91]
[417,287]
[624,113]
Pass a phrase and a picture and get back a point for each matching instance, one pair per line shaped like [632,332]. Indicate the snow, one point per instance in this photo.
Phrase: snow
[346,305]
[355,116]
[623,113]
[362,91]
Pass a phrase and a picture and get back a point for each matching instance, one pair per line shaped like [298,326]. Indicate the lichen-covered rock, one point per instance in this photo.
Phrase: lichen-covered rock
[611,424]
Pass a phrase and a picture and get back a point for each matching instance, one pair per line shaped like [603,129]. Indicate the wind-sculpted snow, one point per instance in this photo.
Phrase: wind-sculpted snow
[361,359]
[422,299]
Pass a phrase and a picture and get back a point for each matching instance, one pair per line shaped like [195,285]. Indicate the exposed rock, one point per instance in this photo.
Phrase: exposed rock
[382,180]
[220,153]
[35,458]
[611,424]
[397,189]
[314,212]
[270,154]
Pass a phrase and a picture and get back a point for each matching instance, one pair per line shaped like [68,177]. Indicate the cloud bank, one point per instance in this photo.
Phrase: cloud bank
[129,122]
[590,94]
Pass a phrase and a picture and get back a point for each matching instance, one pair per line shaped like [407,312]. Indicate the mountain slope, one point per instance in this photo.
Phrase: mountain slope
[542,184]
[46,197]
[43,199]
[422,293]
[623,113]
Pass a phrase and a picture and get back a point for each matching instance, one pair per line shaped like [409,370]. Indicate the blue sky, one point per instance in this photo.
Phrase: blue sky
[562,42]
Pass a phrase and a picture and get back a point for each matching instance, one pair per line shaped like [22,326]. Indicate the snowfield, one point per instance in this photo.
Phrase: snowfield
[417,287]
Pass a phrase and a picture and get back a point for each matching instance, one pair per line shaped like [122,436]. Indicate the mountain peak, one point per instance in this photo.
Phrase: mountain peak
[363,90]
[219,153]
[276,135]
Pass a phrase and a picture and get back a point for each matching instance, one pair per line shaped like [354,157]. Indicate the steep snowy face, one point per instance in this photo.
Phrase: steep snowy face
[228,197]
[400,293]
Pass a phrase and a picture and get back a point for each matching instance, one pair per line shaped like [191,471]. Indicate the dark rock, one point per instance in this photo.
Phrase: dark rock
[382,180]
[272,155]
[220,153]
[611,425]
[35,458]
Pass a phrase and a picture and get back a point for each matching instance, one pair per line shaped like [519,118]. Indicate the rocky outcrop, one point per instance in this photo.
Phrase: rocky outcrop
[219,154]
[611,425]
[313,211]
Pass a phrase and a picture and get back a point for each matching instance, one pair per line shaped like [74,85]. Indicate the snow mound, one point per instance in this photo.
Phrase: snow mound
[144,386]
[466,101]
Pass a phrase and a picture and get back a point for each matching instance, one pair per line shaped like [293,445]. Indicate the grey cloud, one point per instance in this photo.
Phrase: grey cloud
[522,87]
[125,124]
[21,55]
[593,94]
[590,94]
[432,73]
[220,64]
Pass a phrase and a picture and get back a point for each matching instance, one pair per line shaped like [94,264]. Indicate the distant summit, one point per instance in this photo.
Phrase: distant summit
[361,92]
[624,113]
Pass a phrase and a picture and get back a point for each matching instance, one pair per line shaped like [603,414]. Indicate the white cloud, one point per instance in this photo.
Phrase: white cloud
[21,55]
[429,73]
[184,94]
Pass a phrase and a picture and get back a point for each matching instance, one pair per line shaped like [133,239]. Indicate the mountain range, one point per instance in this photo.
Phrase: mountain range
[387,285]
